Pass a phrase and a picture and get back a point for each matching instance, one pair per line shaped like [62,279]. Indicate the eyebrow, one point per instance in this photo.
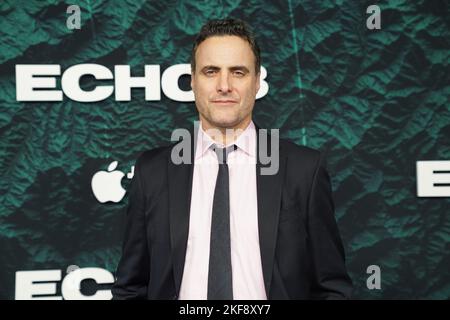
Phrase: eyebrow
[233,68]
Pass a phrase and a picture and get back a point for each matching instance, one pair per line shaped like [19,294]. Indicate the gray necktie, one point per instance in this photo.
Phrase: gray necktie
[220,284]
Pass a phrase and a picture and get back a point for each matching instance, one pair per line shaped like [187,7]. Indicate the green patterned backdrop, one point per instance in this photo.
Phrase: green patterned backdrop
[375,101]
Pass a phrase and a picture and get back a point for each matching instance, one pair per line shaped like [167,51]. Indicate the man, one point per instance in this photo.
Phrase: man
[217,227]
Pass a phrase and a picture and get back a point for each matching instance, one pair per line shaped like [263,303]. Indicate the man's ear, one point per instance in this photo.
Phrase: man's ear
[258,81]
[192,80]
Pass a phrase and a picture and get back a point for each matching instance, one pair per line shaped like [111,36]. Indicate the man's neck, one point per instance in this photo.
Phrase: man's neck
[225,136]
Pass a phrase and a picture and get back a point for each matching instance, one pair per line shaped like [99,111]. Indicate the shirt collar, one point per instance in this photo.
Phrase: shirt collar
[246,141]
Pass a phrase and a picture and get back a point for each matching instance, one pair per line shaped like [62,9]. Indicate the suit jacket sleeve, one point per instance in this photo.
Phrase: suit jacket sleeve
[133,271]
[330,278]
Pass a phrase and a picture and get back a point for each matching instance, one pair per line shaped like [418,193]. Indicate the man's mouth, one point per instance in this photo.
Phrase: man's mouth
[224,102]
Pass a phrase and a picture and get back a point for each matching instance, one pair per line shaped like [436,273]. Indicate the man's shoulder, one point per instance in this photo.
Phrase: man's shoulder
[302,163]
[153,157]
[293,150]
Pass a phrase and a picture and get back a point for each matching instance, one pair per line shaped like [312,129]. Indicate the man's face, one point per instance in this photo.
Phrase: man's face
[225,82]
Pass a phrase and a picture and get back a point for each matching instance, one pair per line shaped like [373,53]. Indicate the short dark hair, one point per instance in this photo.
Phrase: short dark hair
[227,27]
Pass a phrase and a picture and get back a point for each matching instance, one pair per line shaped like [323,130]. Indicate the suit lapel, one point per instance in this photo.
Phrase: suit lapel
[269,201]
[180,189]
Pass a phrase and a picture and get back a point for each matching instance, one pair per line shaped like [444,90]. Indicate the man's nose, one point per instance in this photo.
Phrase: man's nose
[224,83]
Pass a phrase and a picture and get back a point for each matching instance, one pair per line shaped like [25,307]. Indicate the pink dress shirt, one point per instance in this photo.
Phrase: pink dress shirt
[248,282]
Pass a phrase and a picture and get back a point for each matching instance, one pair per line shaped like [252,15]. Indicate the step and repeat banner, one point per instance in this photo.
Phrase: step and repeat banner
[86,86]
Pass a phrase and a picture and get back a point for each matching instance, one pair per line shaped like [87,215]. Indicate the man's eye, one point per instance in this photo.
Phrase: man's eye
[210,72]
[239,73]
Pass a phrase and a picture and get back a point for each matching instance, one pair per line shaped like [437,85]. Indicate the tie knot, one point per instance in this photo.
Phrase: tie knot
[222,153]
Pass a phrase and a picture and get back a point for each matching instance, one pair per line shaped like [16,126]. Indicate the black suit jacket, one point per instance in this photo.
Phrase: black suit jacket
[301,249]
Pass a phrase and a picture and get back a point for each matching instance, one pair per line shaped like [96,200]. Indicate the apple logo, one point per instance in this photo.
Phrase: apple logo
[106,184]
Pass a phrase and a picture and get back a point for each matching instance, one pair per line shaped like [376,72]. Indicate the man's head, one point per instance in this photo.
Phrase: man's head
[225,74]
